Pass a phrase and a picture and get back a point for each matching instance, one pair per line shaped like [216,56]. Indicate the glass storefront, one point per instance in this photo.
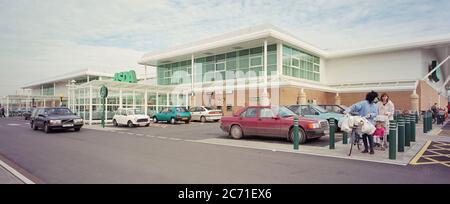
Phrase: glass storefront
[301,65]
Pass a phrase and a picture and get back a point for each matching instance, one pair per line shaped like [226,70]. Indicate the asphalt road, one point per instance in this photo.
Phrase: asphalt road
[92,156]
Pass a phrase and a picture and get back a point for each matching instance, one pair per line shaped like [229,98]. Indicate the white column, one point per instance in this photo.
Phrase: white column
[88,79]
[178,100]
[90,104]
[42,90]
[120,99]
[134,99]
[146,102]
[187,100]
[265,95]
[157,102]
[193,79]
[7,106]
[145,75]
[279,59]
[168,99]
[44,105]
[54,88]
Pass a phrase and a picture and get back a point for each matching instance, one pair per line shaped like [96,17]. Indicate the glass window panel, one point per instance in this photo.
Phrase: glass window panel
[231,55]
[271,48]
[287,51]
[295,62]
[316,68]
[271,59]
[316,77]
[243,52]
[220,57]
[243,63]
[255,61]
[231,65]
[220,66]
[256,50]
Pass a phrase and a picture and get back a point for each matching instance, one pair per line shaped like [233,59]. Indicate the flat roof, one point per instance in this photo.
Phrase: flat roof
[253,36]
[68,76]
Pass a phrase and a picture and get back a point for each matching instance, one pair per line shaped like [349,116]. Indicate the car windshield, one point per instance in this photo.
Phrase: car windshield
[285,112]
[59,111]
[208,108]
[181,109]
[134,112]
[320,109]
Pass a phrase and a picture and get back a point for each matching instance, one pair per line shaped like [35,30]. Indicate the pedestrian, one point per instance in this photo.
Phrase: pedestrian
[386,108]
[434,112]
[2,112]
[366,108]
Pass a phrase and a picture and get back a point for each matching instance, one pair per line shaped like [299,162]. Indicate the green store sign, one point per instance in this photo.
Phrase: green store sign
[129,77]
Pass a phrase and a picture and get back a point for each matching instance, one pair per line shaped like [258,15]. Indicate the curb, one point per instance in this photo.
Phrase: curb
[18,172]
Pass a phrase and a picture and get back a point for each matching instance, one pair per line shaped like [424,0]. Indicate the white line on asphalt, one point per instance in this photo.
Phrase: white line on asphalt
[159,137]
[140,135]
[16,173]
[14,124]
[176,139]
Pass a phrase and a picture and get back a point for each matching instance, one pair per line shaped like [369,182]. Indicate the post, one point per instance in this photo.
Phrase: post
[413,128]
[332,129]
[392,134]
[296,139]
[90,104]
[401,135]
[344,137]
[430,122]
[424,122]
[407,131]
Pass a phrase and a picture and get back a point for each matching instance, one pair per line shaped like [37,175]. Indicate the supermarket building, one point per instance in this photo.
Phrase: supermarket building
[236,66]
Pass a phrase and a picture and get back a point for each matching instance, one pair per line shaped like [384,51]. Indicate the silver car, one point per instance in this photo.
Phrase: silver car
[203,114]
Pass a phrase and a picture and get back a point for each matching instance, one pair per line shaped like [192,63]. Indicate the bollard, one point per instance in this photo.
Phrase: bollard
[413,129]
[391,138]
[344,137]
[407,131]
[296,139]
[430,122]
[424,122]
[401,135]
[332,129]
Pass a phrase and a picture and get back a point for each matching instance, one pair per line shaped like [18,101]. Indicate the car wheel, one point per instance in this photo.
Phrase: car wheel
[187,121]
[203,119]
[301,135]
[77,129]
[236,132]
[155,120]
[47,128]
[130,124]
[172,121]
[115,123]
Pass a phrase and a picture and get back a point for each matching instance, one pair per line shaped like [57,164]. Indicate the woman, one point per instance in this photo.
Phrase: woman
[367,109]
[386,108]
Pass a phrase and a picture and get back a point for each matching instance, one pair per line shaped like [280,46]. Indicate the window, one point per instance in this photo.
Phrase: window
[299,64]
[249,113]
[266,113]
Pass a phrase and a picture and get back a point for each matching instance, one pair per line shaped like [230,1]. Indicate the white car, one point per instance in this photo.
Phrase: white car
[130,118]
[203,114]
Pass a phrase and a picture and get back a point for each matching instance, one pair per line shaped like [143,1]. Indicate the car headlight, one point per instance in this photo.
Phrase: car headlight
[55,122]
[78,121]
[313,125]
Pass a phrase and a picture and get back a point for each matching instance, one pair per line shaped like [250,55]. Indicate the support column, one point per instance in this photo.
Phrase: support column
[302,97]
[414,101]
[265,95]
[134,99]
[168,99]
[186,98]
[337,99]
[7,106]
[146,102]
[90,104]
[279,59]
[191,95]
[157,102]
[120,99]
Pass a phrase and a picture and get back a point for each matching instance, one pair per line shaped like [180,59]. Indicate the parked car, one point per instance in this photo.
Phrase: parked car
[27,114]
[275,121]
[130,118]
[173,115]
[314,111]
[55,118]
[203,114]
[334,108]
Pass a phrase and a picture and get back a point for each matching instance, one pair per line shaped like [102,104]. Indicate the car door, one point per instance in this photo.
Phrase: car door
[249,121]
[193,111]
[269,123]
[38,119]
[165,114]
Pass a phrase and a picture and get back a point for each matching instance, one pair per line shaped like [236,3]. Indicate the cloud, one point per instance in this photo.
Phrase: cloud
[42,38]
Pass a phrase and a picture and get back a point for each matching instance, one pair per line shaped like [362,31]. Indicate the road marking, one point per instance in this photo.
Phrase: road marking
[16,173]
[140,135]
[176,139]
[14,124]
[420,153]
[159,137]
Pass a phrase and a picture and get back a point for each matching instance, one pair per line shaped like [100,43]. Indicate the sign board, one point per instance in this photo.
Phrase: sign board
[129,77]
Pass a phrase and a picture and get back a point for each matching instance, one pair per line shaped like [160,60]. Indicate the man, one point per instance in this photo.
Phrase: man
[366,108]
[434,111]
[2,112]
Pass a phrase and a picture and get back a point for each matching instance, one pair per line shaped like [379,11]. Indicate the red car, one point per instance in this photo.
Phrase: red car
[271,121]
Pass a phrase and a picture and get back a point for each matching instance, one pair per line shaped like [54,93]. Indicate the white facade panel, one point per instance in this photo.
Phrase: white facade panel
[390,66]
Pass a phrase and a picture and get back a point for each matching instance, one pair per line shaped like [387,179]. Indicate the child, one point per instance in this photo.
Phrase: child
[379,134]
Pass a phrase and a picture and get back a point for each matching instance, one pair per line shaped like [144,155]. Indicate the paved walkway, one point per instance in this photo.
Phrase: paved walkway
[7,178]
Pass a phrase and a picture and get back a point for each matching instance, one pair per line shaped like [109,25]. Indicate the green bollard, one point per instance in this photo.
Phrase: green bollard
[332,129]
[430,122]
[391,138]
[296,138]
[407,131]
[424,122]
[416,116]
[401,135]
[344,138]
[413,129]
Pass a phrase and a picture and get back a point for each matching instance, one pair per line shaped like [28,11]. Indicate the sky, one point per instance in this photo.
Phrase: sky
[40,39]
